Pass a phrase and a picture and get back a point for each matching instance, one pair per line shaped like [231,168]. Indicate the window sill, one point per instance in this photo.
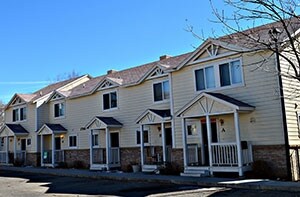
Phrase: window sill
[221,88]
[73,147]
[59,117]
[111,109]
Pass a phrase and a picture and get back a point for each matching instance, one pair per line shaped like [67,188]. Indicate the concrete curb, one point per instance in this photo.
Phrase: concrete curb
[203,182]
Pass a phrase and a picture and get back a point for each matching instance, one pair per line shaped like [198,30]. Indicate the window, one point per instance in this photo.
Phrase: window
[59,110]
[28,142]
[19,114]
[110,100]
[73,141]
[230,73]
[95,140]
[161,91]
[205,78]
[138,137]
[192,130]
[15,115]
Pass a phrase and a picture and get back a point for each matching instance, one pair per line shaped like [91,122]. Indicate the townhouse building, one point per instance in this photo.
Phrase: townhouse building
[215,109]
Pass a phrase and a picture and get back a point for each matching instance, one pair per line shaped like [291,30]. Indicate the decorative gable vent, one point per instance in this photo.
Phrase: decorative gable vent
[17,101]
[156,73]
[56,97]
[106,84]
[212,50]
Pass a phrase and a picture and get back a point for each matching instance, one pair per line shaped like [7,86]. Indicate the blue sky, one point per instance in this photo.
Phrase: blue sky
[40,40]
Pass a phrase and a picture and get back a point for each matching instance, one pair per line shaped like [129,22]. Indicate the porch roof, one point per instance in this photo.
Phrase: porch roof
[213,104]
[13,130]
[101,122]
[52,129]
[151,116]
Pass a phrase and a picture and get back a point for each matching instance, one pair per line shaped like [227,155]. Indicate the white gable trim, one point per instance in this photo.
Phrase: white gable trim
[151,117]
[189,105]
[204,48]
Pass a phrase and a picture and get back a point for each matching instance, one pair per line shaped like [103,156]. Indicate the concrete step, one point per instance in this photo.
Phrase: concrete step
[195,173]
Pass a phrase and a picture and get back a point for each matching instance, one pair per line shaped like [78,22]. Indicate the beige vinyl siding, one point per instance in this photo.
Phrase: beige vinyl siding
[291,97]
[132,102]
[28,124]
[258,90]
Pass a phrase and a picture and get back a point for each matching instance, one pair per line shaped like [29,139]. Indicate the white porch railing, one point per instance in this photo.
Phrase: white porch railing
[98,155]
[59,156]
[21,155]
[115,155]
[3,157]
[225,154]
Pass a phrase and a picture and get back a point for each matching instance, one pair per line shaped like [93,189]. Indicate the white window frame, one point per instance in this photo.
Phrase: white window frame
[69,142]
[163,99]
[203,68]
[93,140]
[19,114]
[27,140]
[59,103]
[217,75]
[136,137]
[109,93]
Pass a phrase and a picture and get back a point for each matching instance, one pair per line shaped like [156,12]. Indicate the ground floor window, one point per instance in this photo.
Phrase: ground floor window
[73,141]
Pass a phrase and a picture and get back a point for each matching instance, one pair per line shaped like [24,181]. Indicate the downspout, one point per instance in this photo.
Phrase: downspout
[172,110]
[286,136]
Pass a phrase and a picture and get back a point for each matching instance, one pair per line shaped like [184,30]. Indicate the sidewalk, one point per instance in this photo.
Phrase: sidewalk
[262,184]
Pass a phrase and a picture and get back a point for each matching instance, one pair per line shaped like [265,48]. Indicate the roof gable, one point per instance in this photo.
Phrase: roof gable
[212,104]
[211,49]
[48,129]
[100,122]
[151,116]
[13,130]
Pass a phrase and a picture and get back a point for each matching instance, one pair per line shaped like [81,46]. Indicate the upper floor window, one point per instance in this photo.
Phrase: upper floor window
[161,91]
[218,75]
[110,100]
[59,110]
[205,78]
[230,73]
[19,114]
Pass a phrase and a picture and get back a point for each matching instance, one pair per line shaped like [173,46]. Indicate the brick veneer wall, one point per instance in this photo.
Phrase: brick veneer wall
[129,155]
[33,159]
[274,156]
[77,155]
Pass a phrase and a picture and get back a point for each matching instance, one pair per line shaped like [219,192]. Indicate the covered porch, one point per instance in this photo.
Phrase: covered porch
[217,146]
[155,139]
[52,136]
[13,144]
[104,143]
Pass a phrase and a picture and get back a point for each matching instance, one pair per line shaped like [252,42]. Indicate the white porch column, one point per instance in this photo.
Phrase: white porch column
[238,142]
[208,126]
[184,142]
[53,149]
[7,149]
[142,145]
[91,147]
[163,137]
[107,147]
[15,147]
[42,150]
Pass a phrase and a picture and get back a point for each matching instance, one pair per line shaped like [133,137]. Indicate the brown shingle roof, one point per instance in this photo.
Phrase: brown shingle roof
[128,76]
[248,38]
[50,88]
